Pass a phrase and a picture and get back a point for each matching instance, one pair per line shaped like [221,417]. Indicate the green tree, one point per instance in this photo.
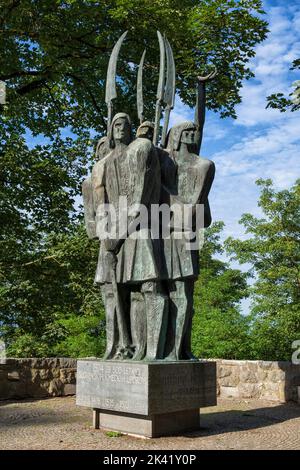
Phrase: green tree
[219,328]
[53,59]
[273,250]
[54,55]
[279,101]
[37,194]
[49,306]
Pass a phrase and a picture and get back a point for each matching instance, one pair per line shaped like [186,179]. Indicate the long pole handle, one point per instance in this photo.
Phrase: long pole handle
[165,128]
[157,122]
[109,114]
[123,332]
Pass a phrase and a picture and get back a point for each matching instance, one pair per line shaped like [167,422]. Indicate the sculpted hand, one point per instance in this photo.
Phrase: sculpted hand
[111,260]
[208,77]
[111,244]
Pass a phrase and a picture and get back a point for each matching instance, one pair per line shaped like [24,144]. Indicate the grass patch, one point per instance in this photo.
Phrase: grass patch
[113,434]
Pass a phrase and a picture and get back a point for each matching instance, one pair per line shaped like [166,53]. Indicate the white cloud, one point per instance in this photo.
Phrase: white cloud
[261,143]
[271,66]
[264,143]
[180,113]
[273,154]
[214,130]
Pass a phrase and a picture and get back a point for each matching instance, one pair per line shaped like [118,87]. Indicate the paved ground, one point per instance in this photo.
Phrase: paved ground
[57,423]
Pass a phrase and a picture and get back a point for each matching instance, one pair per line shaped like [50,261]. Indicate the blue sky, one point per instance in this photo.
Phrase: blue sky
[260,142]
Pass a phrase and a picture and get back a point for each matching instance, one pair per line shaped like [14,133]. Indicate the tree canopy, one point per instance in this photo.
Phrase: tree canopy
[219,328]
[273,251]
[292,103]
[54,57]
[48,306]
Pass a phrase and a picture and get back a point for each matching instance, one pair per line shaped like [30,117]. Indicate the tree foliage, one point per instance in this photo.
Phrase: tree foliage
[37,196]
[55,55]
[48,306]
[279,101]
[219,328]
[273,251]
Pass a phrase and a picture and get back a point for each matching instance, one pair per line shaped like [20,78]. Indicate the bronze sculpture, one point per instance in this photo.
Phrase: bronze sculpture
[147,281]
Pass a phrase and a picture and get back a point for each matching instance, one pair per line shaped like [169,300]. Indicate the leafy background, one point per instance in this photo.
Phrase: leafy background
[54,62]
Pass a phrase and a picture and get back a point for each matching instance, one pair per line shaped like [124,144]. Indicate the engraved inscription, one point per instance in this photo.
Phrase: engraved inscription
[116,374]
[144,388]
[112,404]
[112,386]
[179,385]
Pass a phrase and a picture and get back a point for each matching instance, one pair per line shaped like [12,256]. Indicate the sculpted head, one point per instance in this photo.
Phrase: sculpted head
[120,130]
[146,130]
[188,136]
[101,149]
[184,133]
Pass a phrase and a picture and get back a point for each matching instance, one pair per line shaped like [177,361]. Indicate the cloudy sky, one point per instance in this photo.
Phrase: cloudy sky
[260,142]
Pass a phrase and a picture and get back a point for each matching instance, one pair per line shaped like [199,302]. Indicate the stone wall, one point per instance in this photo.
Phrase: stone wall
[276,381]
[37,378]
[51,377]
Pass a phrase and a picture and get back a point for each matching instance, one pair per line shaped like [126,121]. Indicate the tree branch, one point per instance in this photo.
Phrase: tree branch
[85,85]
[34,85]
[98,48]
[46,258]
[14,4]
[21,73]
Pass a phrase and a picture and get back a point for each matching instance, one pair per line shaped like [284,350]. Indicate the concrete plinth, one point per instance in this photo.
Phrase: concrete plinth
[146,398]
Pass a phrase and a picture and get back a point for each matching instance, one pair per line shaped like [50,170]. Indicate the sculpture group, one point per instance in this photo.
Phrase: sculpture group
[147,281]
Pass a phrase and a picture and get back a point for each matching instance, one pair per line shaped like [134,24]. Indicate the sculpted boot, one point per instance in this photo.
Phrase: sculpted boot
[186,343]
[138,325]
[111,321]
[178,323]
[157,312]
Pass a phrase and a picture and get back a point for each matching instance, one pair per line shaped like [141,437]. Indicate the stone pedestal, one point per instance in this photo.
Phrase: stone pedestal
[146,398]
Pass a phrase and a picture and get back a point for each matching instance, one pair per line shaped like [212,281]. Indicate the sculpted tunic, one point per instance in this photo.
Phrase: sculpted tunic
[134,174]
[186,182]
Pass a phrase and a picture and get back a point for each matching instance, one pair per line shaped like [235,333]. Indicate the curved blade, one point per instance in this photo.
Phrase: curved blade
[139,89]
[160,87]
[110,92]
[169,95]
[161,80]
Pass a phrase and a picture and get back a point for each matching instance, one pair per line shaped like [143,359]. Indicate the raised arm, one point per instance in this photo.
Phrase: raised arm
[88,204]
[204,196]
[200,106]
[98,189]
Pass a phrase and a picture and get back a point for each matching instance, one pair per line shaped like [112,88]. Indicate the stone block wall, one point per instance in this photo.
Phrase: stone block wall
[52,377]
[276,381]
[37,378]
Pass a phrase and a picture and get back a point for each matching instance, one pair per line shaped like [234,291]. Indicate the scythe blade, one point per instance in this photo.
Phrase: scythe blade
[111,92]
[139,90]
[160,87]
[169,95]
